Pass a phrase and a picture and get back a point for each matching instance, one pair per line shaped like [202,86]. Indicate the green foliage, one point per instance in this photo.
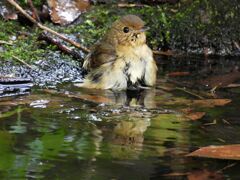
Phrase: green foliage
[37,3]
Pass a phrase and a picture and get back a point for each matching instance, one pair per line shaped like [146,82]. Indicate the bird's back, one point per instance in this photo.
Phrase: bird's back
[102,52]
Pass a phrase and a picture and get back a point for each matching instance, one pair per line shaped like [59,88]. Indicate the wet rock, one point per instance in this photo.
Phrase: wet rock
[39,103]
[47,72]
[14,86]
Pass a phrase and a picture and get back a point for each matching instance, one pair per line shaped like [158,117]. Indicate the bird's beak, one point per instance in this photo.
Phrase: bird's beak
[145,28]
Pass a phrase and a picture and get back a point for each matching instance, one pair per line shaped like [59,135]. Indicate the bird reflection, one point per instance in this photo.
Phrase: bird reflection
[127,138]
[130,132]
[142,98]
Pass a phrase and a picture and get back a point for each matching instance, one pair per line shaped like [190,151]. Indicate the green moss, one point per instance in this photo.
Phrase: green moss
[8,29]
[24,41]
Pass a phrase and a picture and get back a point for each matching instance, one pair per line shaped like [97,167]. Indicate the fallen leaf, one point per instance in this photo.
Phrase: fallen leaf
[7,12]
[211,102]
[197,175]
[204,174]
[177,174]
[195,115]
[198,103]
[86,97]
[65,11]
[219,152]
[190,114]
[93,98]
[175,74]
[165,53]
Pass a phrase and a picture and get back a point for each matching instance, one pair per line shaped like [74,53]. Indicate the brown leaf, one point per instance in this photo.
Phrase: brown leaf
[87,97]
[190,114]
[7,12]
[197,175]
[204,174]
[93,98]
[165,53]
[197,103]
[175,74]
[211,102]
[218,152]
[176,174]
[65,12]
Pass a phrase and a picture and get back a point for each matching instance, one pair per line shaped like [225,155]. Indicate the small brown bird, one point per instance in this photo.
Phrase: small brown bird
[122,59]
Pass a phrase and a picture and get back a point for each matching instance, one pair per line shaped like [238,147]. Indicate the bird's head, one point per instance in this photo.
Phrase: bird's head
[129,30]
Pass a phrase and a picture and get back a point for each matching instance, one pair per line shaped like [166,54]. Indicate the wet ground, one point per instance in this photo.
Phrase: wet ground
[64,132]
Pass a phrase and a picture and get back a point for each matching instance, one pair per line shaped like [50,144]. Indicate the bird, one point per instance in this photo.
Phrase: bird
[121,60]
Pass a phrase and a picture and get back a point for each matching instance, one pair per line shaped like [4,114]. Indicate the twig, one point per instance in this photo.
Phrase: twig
[5,42]
[60,46]
[35,14]
[234,85]
[236,45]
[221,140]
[84,49]
[211,123]
[226,167]
[84,97]
[22,61]
[184,85]
[189,92]
[226,122]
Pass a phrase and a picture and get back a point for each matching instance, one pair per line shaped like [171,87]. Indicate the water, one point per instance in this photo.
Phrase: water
[71,133]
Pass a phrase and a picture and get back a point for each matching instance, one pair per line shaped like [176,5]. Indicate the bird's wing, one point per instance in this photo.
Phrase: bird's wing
[101,53]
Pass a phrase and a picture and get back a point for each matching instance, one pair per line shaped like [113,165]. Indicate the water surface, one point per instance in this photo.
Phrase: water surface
[72,133]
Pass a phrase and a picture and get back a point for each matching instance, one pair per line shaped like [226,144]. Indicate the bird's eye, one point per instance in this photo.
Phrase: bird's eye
[126,29]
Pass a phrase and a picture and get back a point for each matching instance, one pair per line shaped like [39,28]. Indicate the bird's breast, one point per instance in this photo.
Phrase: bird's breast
[135,60]
[135,70]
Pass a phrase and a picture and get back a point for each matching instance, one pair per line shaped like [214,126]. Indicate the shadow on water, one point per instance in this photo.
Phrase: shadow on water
[75,133]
